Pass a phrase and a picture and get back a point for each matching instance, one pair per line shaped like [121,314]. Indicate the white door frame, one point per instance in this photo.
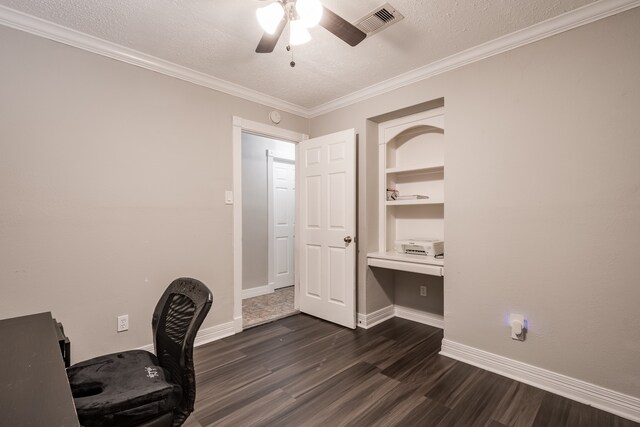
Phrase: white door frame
[243,125]
[273,157]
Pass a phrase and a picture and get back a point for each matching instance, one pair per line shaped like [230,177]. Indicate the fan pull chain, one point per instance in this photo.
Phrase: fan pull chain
[292,63]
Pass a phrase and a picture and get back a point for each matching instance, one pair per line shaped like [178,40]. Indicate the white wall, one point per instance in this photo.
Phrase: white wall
[112,184]
[542,187]
[255,249]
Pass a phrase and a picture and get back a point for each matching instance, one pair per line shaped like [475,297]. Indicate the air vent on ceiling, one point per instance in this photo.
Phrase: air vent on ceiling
[379,19]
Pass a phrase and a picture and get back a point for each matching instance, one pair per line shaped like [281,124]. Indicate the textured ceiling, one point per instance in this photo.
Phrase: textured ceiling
[218,38]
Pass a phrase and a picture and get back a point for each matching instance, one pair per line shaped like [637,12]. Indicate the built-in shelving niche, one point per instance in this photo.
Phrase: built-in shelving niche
[411,160]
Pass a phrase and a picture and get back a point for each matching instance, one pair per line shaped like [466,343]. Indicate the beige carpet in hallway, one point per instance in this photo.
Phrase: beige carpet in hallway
[269,307]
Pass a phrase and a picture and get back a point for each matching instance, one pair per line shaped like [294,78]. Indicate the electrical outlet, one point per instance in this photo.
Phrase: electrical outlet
[518,327]
[423,291]
[123,323]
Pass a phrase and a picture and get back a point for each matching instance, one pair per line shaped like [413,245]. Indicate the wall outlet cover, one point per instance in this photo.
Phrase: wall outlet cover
[123,323]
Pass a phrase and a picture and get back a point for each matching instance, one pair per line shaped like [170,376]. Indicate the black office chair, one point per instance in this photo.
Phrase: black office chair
[136,388]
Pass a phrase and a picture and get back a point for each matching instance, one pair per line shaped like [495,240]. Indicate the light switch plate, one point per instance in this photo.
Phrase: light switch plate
[228,197]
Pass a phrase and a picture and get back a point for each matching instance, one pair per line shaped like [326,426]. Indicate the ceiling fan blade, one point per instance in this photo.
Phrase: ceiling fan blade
[341,28]
[268,41]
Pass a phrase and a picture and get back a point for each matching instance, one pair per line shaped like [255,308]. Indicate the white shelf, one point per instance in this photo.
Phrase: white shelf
[418,259]
[414,202]
[411,160]
[415,170]
[404,262]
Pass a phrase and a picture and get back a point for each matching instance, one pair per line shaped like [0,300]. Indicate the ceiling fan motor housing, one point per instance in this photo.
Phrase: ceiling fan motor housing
[328,19]
[290,9]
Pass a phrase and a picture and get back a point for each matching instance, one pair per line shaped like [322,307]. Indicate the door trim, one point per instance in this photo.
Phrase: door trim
[243,125]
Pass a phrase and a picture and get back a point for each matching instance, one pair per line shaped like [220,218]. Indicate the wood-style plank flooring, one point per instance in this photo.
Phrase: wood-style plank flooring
[301,371]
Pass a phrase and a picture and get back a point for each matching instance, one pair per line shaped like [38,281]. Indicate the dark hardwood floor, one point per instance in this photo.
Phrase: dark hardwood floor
[301,371]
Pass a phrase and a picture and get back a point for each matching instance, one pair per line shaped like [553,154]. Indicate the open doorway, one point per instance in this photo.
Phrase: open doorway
[325,222]
[268,229]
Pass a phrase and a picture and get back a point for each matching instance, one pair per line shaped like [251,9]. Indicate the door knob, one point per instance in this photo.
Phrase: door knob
[347,239]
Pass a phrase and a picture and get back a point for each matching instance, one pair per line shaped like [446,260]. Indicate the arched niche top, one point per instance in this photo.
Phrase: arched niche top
[405,135]
[413,144]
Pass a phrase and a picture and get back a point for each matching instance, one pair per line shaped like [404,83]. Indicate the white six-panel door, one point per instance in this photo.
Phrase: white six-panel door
[283,223]
[327,207]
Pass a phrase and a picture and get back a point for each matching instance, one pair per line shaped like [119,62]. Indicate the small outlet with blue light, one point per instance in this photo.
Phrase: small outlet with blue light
[518,327]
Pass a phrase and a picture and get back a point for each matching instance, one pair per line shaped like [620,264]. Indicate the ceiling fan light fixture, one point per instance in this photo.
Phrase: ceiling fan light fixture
[270,16]
[310,12]
[298,33]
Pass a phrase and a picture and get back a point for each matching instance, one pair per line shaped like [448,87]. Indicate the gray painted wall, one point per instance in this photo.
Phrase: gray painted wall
[112,183]
[542,212]
[407,292]
[255,207]
[112,180]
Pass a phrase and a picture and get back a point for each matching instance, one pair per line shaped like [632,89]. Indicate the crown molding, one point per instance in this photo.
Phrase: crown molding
[567,21]
[49,30]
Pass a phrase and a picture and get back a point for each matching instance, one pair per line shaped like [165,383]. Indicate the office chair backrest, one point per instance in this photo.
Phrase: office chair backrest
[176,320]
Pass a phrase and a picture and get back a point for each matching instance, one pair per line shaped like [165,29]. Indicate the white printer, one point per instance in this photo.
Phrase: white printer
[427,247]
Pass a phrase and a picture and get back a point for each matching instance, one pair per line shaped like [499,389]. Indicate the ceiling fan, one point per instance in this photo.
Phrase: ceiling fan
[301,14]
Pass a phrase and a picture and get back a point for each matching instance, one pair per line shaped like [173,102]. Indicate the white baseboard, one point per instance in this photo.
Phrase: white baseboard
[368,320]
[148,348]
[214,333]
[599,397]
[419,316]
[206,335]
[237,324]
[256,292]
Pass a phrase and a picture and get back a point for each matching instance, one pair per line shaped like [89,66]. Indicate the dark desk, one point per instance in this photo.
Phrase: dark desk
[34,387]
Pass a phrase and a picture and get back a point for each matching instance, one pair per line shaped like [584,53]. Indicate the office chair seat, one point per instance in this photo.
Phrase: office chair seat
[137,388]
[122,389]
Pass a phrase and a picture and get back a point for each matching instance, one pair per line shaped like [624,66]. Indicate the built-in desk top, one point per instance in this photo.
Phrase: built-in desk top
[34,390]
